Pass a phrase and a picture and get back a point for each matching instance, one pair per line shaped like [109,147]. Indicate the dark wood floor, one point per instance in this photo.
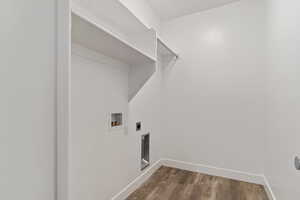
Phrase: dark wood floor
[174,184]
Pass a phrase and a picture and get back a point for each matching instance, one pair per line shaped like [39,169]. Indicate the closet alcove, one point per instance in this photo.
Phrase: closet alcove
[113,54]
[112,30]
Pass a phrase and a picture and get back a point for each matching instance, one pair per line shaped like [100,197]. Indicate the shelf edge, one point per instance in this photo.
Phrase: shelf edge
[167,46]
[87,16]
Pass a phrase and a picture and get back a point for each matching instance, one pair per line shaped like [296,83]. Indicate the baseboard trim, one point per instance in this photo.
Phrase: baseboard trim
[205,169]
[215,171]
[136,183]
[268,189]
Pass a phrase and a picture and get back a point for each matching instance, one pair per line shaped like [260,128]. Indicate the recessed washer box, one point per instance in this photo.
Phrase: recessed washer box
[116,121]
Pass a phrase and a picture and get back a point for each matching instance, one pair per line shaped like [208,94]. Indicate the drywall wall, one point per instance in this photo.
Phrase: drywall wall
[230,101]
[283,98]
[214,96]
[101,160]
[27,74]
[104,161]
[144,12]
[63,56]
[145,107]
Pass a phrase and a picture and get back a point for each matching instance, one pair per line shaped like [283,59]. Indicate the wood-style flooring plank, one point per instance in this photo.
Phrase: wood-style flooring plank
[175,184]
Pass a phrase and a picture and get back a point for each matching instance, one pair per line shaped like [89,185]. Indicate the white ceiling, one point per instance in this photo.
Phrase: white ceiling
[168,9]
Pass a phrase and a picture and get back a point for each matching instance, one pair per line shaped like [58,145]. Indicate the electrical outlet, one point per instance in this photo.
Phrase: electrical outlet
[138,126]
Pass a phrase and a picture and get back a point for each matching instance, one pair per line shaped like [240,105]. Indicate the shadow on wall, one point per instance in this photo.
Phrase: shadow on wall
[168,63]
[138,77]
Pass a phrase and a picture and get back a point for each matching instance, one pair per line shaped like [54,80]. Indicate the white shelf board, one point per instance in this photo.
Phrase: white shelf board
[114,12]
[164,49]
[87,32]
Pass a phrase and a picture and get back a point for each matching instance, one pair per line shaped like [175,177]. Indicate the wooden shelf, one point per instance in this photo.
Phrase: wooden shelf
[92,36]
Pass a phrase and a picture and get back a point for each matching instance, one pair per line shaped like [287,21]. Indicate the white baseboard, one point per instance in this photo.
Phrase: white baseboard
[215,171]
[268,189]
[135,184]
[205,169]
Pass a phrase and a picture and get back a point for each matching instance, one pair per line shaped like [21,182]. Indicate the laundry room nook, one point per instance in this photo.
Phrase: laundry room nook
[150,100]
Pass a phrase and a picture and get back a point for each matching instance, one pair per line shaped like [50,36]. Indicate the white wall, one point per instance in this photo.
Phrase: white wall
[230,101]
[283,98]
[214,96]
[144,12]
[146,108]
[103,162]
[27,77]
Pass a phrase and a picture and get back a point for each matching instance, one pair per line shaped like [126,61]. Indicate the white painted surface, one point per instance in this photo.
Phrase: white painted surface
[143,11]
[211,107]
[283,98]
[168,9]
[165,50]
[115,19]
[215,171]
[138,76]
[136,183]
[88,33]
[145,41]
[214,96]
[63,73]
[114,13]
[27,74]
[268,189]
[98,155]
[146,107]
